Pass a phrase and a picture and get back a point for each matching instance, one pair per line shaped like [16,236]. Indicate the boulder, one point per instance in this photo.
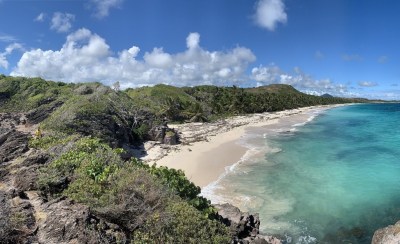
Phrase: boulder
[387,235]
[164,134]
[70,222]
[35,159]
[26,178]
[170,138]
[244,226]
[12,144]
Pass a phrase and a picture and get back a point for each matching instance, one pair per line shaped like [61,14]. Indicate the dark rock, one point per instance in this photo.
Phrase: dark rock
[26,178]
[170,138]
[17,221]
[244,226]
[164,134]
[104,126]
[35,159]
[12,144]
[39,114]
[56,186]
[46,101]
[387,235]
[69,222]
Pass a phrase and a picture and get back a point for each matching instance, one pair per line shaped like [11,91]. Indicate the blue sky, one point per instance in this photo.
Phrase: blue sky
[342,47]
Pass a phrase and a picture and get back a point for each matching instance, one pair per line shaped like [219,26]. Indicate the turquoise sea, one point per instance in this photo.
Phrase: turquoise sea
[334,179]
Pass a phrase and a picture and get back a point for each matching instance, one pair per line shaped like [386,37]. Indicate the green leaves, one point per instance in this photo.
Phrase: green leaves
[178,183]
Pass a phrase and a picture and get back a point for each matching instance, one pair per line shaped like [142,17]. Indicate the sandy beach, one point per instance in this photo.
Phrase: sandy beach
[206,149]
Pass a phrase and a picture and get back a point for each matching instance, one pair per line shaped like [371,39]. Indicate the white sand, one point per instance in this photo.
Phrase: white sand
[208,148]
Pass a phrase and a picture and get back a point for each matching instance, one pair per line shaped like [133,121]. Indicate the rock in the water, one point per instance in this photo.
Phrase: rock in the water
[387,235]
[244,226]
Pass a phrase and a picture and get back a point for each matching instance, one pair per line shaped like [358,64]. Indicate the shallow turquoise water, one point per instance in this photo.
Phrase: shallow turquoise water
[333,180]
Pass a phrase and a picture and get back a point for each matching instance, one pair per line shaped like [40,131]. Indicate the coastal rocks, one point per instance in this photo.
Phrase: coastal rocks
[244,226]
[12,144]
[164,134]
[39,114]
[69,222]
[17,220]
[11,120]
[387,235]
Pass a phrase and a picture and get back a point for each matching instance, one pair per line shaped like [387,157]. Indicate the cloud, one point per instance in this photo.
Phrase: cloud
[40,17]
[102,7]
[272,74]
[319,55]
[367,83]
[85,56]
[382,59]
[352,57]
[269,13]
[7,38]
[193,40]
[7,51]
[62,22]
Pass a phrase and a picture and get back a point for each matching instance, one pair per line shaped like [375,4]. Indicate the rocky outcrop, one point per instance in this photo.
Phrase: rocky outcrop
[39,114]
[244,226]
[164,134]
[24,218]
[12,144]
[387,235]
[69,222]
[17,220]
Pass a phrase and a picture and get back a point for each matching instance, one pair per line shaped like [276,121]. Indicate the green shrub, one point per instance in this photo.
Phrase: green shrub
[141,132]
[56,176]
[176,181]
[51,139]
[182,224]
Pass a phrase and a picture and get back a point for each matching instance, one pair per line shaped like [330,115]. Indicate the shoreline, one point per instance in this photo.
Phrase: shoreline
[207,150]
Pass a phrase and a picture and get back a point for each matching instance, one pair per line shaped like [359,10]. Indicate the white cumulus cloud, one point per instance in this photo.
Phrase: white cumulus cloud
[7,51]
[193,40]
[269,13]
[40,17]
[102,7]
[62,22]
[86,56]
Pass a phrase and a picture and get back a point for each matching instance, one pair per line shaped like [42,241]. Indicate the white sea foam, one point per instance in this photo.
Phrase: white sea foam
[209,191]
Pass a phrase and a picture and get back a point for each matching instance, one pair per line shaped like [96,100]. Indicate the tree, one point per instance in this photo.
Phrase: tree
[116,86]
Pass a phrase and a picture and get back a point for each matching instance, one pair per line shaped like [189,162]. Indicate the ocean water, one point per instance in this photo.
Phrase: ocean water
[334,179]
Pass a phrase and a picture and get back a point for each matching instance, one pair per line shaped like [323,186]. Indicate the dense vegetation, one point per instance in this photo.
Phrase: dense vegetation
[85,125]
[154,204]
[211,102]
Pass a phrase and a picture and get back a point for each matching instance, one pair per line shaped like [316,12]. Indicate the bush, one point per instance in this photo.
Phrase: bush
[60,172]
[178,183]
[183,224]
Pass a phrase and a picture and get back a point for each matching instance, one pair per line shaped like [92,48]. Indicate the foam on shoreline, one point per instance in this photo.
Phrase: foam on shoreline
[223,147]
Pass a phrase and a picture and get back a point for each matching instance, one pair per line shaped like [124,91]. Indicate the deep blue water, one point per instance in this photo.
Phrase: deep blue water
[334,180]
